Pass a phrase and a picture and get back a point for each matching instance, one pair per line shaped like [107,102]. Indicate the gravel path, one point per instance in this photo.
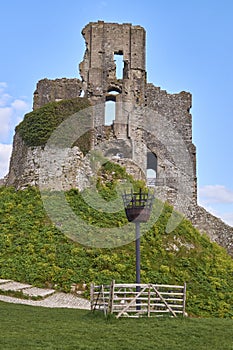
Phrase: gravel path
[51,298]
[61,300]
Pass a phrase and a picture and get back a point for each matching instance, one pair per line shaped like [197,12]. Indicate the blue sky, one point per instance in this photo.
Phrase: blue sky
[189,47]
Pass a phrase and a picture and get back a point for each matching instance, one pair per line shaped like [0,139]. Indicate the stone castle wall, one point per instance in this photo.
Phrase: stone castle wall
[55,90]
[55,169]
[214,227]
[150,121]
[66,171]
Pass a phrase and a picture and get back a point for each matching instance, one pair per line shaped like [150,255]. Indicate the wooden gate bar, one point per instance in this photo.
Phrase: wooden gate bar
[155,299]
[131,303]
[164,301]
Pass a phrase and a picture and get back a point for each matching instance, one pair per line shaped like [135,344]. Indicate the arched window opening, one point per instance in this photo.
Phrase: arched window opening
[151,172]
[119,62]
[114,92]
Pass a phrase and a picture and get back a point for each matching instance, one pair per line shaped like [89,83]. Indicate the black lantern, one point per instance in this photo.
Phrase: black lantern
[138,206]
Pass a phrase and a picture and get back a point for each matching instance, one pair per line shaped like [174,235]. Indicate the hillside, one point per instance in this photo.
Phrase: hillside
[33,250]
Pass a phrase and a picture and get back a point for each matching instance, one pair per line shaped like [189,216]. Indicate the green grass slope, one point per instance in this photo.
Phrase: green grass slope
[33,250]
[24,327]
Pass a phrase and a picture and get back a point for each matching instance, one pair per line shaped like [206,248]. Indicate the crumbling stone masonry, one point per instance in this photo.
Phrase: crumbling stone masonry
[152,129]
[56,90]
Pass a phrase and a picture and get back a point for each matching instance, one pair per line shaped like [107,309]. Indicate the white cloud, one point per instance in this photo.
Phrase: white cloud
[209,208]
[11,113]
[3,86]
[4,99]
[6,114]
[19,105]
[228,218]
[215,194]
[218,200]
[5,153]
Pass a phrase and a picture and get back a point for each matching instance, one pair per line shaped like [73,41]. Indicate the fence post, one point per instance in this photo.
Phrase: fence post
[103,300]
[92,295]
[184,299]
[148,309]
[111,297]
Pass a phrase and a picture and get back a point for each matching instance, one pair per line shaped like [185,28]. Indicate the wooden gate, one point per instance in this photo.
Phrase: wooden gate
[134,300]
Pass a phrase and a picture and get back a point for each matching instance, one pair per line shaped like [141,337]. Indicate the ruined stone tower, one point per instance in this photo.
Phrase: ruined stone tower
[98,69]
[104,42]
[151,129]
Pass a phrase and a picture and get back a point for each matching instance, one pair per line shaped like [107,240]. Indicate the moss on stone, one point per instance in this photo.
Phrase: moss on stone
[37,126]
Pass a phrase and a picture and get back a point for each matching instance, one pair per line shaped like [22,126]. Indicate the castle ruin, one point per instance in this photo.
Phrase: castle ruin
[151,130]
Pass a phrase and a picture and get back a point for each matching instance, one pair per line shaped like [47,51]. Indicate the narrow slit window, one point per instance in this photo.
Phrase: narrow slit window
[110,112]
[151,169]
[119,62]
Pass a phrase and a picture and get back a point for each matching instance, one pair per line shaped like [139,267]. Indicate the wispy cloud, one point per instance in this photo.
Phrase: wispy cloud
[19,105]
[12,111]
[5,152]
[6,114]
[228,218]
[215,194]
[3,86]
[218,200]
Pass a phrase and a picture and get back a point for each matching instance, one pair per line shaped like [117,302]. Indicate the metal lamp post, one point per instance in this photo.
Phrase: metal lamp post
[138,207]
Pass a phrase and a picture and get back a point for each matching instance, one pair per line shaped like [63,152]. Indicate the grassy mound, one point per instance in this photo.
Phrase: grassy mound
[33,250]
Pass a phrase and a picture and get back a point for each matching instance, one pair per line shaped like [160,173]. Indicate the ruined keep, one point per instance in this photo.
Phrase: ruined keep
[151,131]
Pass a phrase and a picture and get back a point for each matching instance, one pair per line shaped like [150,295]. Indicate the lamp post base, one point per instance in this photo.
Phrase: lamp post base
[138,263]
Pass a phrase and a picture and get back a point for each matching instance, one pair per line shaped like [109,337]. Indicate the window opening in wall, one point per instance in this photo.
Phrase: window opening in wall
[110,106]
[151,172]
[110,112]
[119,62]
